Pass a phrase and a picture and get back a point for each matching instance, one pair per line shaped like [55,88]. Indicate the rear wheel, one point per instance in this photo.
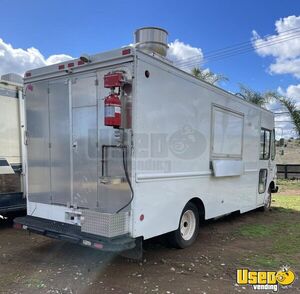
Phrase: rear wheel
[188,229]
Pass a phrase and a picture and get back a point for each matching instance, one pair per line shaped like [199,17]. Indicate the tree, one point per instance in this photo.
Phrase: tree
[262,99]
[291,106]
[258,98]
[207,76]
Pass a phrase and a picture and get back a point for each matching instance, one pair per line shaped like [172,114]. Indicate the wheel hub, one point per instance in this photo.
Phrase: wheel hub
[188,225]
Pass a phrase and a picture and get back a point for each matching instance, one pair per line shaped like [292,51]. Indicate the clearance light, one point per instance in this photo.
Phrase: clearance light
[126,51]
[142,217]
[28,74]
[62,66]
[71,64]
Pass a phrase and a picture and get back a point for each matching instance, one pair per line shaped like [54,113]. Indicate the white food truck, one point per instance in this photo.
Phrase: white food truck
[123,146]
[11,195]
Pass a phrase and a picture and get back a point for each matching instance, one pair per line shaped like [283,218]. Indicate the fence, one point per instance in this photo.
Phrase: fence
[288,171]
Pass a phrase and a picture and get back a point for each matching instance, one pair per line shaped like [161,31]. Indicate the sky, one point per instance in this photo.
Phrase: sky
[35,33]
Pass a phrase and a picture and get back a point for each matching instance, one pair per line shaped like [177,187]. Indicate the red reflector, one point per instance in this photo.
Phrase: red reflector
[126,51]
[18,226]
[62,66]
[142,217]
[71,64]
[98,245]
[28,74]
[80,62]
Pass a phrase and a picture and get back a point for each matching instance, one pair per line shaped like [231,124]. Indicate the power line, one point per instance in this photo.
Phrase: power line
[239,45]
[235,52]
[250,42]
[220,57]
[240,48]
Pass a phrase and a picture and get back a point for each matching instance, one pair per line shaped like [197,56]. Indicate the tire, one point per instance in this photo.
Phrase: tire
[268,201]
[188,229]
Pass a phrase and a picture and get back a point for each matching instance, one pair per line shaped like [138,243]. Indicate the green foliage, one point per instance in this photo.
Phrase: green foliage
[252,96]
[261,99]
[207,76]
[285,184]
[255,231]
[284,233]
[291,105]
[289,202]
[255,97]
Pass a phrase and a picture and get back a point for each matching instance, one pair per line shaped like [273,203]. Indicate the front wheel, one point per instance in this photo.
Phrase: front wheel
[188,229]
[268,201]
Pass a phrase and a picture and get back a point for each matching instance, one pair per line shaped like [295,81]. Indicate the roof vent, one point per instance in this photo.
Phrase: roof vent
[152,40]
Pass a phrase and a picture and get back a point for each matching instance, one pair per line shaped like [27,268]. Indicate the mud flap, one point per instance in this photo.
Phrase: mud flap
[137,252]
[274,189]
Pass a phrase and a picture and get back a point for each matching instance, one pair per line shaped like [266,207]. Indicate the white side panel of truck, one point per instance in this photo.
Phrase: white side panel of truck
[178,137]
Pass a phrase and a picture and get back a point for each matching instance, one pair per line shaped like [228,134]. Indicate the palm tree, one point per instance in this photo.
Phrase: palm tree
[207,76]
[252,96]
[291,105]
[262,99]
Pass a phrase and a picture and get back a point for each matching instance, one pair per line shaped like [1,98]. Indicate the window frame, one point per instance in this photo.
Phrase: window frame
[269,151]
[273,146]
[228,111]
[266,180]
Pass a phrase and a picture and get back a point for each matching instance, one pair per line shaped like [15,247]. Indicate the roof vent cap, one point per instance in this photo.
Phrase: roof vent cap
[152,40]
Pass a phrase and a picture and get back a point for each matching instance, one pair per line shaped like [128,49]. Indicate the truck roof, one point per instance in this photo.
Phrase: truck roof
[78,65]
[117,56]
[9,84]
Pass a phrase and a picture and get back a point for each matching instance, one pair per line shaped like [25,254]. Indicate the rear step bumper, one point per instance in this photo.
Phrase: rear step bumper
[72,233]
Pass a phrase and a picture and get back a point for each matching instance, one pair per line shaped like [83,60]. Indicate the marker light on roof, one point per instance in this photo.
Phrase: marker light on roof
[85,58]
[126,52]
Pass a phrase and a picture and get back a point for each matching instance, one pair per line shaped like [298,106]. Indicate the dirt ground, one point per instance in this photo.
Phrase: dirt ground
[257,240]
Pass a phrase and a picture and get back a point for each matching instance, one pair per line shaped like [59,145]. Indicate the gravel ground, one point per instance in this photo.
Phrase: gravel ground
[31,263]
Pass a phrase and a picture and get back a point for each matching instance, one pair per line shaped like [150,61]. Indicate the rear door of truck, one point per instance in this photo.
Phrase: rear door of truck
[62,141]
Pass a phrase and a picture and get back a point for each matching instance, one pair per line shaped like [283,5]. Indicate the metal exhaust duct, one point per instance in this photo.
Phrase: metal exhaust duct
[152,40]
